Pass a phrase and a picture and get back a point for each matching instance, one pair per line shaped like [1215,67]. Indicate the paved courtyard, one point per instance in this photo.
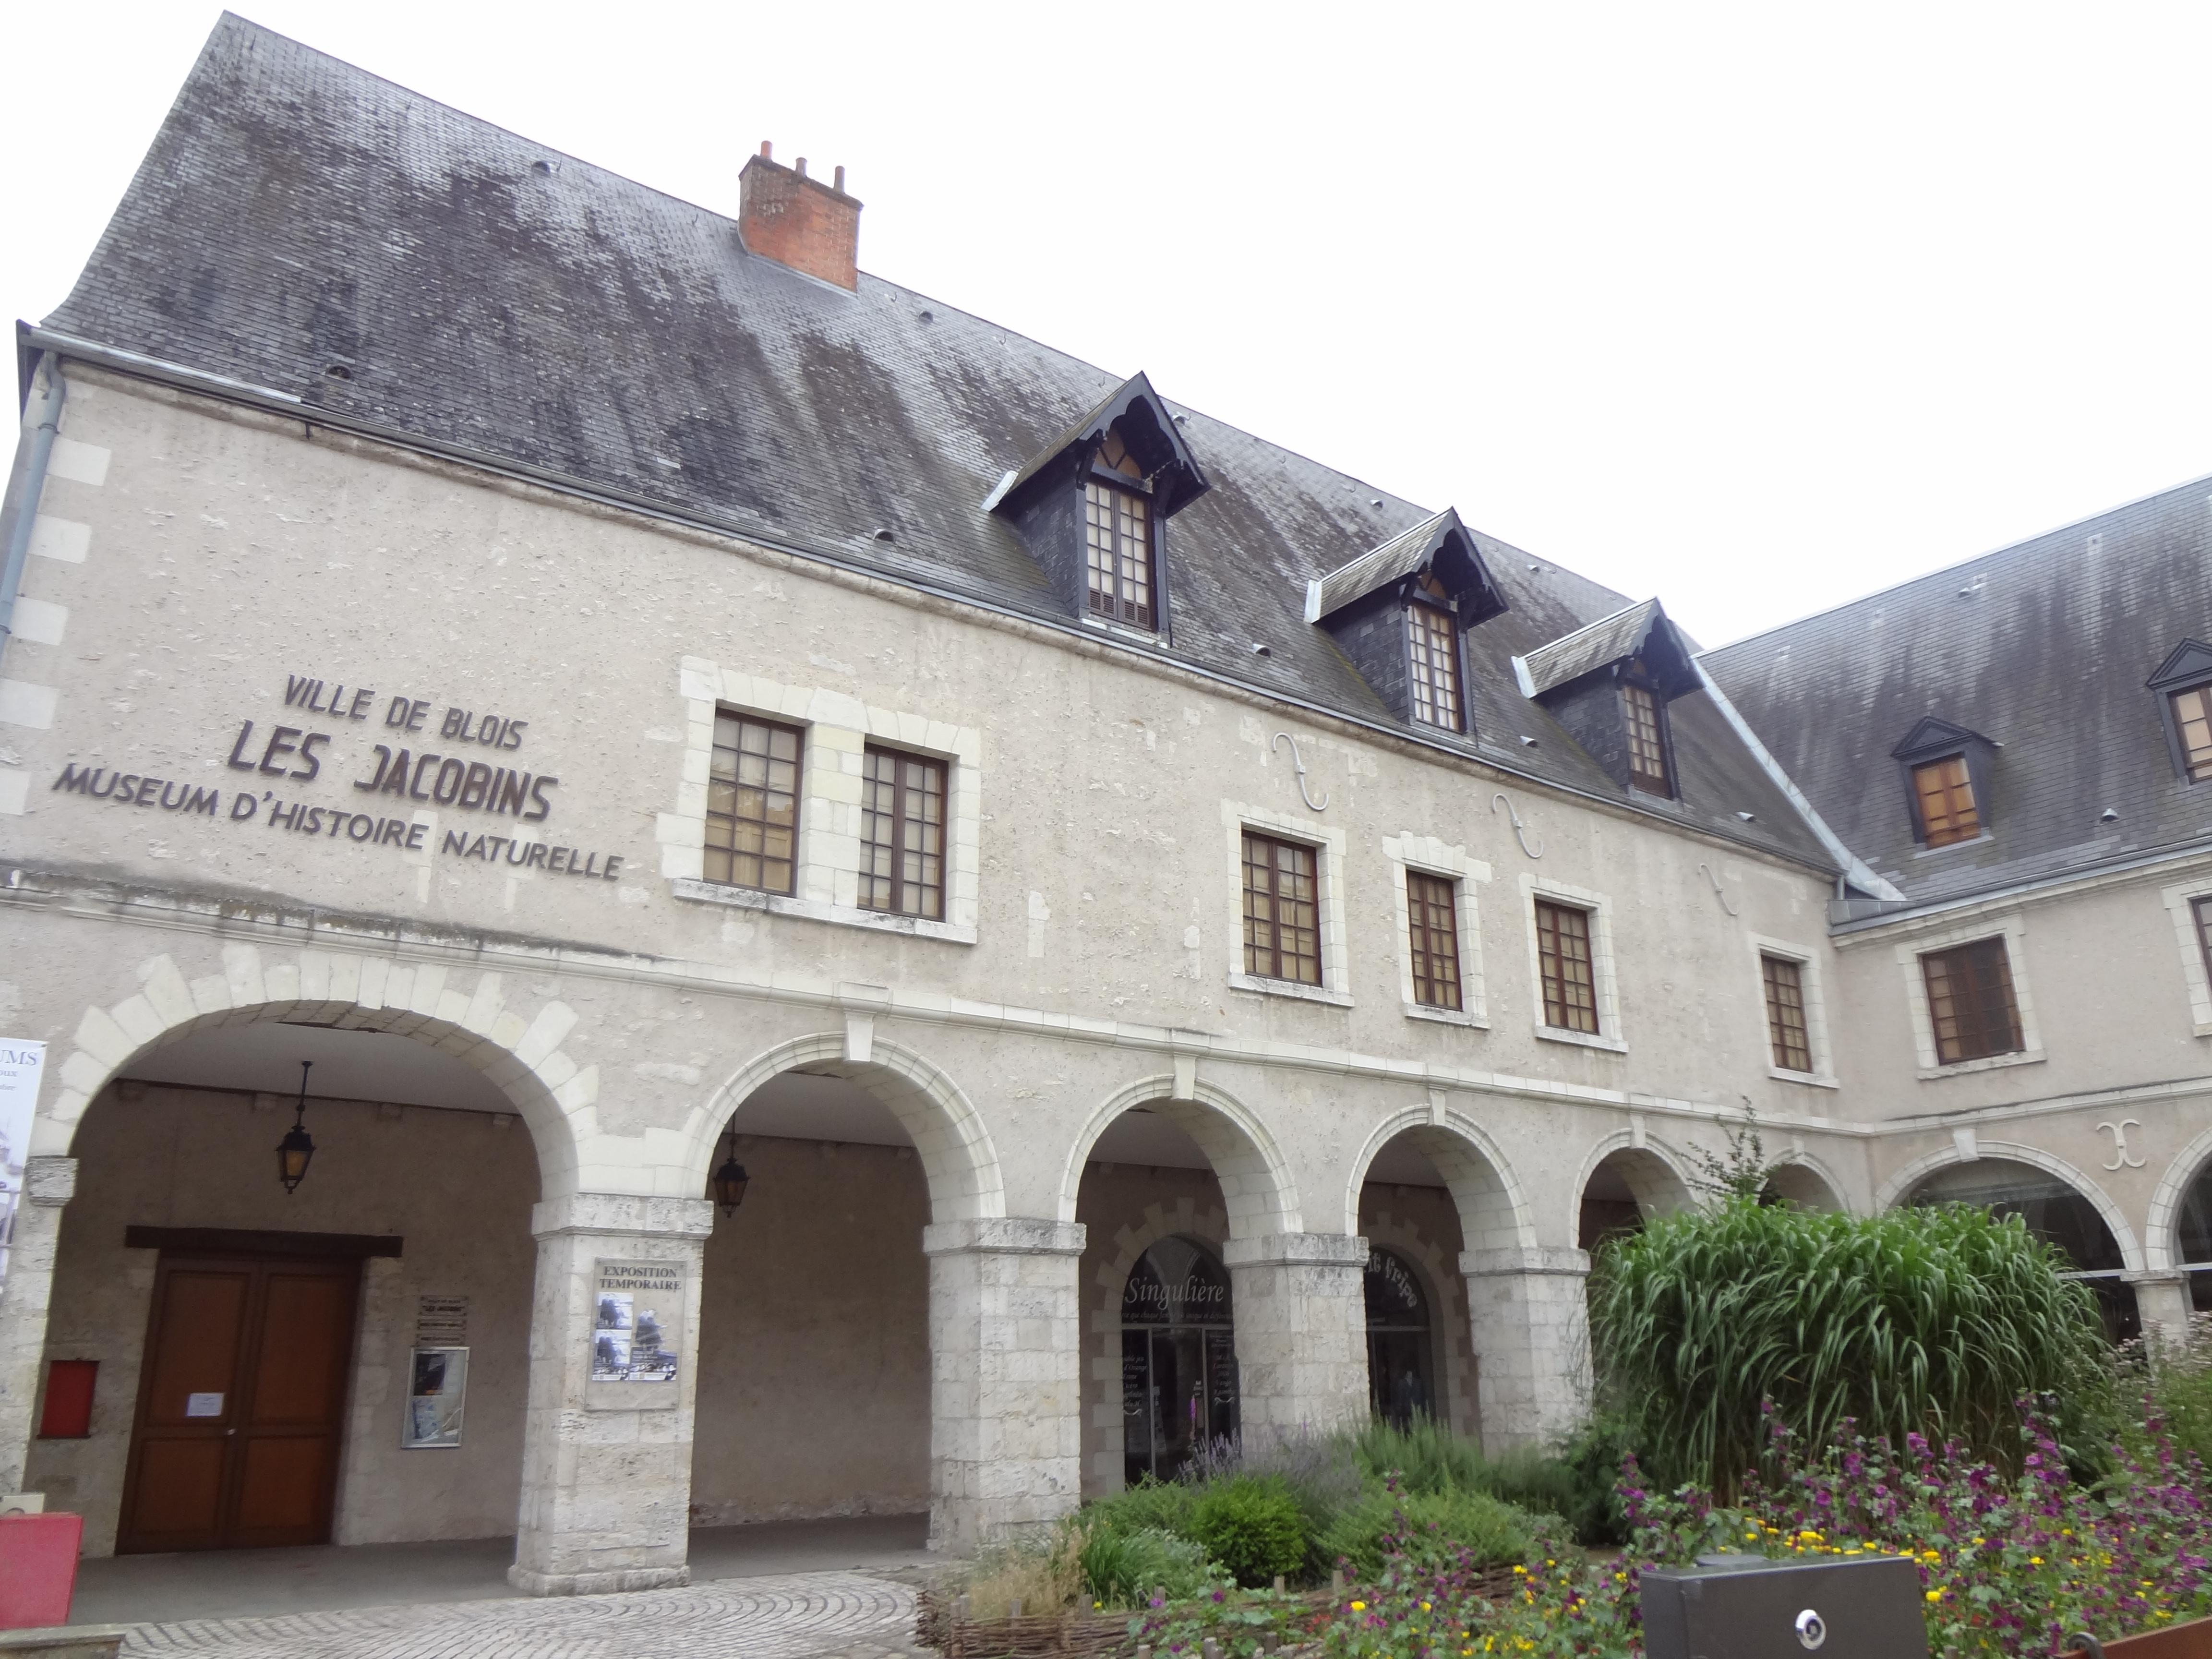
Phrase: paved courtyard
[850,1615]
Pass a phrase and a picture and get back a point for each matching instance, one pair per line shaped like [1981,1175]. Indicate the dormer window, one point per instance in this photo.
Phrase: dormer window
[2192,730]
[1117,531]
[1433,657]
[1945,791]
[1645,717]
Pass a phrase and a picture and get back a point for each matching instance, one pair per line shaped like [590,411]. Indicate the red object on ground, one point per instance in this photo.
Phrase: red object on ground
[38,1569]
[68,1414]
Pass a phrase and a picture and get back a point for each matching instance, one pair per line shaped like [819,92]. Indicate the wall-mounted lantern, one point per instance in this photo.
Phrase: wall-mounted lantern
[297,1149]
[729,1182]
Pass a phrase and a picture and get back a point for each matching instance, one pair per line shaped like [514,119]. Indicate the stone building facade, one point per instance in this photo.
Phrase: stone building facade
[1179,941]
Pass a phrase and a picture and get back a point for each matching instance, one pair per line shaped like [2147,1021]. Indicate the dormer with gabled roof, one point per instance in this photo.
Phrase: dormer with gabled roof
[2184,684]
[1609,683]
[1948,774]
[1092,506]
[1400,613]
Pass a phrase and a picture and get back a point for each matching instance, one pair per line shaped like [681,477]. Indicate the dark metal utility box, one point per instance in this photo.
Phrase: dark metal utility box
[1867,1607]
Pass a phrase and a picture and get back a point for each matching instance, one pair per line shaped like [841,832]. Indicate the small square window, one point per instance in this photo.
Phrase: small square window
[1970,1001]
[2193,725]
[1432,663]
[1282,910]
[901,834]
[1432,913]
[752,804]
[1785,1012]
[1647,740]
[1944,790]
[1563,959]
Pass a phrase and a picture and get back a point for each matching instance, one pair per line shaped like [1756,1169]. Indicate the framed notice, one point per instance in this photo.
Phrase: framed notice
[637,1321]
[437,1389]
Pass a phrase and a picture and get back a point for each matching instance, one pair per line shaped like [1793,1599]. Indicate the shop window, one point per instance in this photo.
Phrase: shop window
[1785,1012]
[1432,916]
[1401,1385]
[1563,959]
[1282,910]
[1432,663]
[752,804]
[901,834]
[1969,1002]
[1118,537]
[1944,790]
[2056,1214]
[1178,1360]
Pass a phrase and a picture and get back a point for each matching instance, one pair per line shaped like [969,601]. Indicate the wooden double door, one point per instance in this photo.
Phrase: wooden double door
[241,1402]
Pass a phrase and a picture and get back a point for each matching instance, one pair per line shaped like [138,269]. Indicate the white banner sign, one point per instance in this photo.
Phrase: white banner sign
[21,1062]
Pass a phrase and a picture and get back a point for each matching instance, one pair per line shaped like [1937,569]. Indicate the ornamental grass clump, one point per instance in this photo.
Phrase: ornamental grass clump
[1928,1322]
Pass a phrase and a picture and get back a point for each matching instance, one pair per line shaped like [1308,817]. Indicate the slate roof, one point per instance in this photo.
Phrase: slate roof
[1400,556]
[296,213]
[2044,648]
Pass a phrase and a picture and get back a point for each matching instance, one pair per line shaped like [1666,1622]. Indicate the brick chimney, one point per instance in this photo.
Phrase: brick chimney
[800,222]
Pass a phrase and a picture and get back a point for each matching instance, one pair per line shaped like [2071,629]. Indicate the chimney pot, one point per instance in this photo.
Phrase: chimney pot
[798,221]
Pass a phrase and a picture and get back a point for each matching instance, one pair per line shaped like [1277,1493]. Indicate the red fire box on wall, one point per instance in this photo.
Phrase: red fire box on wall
[68,1413]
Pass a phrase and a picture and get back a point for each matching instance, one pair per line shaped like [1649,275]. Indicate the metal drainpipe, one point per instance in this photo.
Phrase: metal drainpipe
[42,420]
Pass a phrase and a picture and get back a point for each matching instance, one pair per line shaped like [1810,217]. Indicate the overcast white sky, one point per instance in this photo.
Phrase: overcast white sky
[1756,308]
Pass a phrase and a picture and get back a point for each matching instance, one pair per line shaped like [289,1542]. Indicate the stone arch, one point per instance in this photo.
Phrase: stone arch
[1254,1176]
[1806,1182]
[1655,1173]
[1894,1191]
[471,1019]
[2162,1221]
[1493,1212]
[1449,1330]
[962,1167]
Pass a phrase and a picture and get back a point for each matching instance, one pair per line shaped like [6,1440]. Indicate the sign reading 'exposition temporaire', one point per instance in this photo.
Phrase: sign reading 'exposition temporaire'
[21,1062]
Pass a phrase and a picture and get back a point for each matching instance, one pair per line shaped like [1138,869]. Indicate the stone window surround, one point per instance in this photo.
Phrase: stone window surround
[1609,1034]
[1431,857]
[2179,899]
[2013,929]
[1335,987]
[1811,984]
[837,728]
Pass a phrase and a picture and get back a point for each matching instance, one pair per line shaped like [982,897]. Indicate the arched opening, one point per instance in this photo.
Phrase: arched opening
[1801,1185]
[230,1363]
[2192,1240]
[2055,1212]
[813,1398]
[1178,1359]
[1625,1189]
[1401,1370]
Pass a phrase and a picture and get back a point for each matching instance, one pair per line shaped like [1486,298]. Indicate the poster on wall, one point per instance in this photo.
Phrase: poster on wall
[21,1062]
[437,1387]
[637,1307]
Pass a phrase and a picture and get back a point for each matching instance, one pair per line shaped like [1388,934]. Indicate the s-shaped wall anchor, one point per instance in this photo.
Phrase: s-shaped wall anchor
[1298,761]
[1520,829]
[1718,893]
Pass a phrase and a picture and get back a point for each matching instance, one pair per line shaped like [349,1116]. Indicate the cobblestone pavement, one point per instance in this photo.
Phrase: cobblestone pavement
[843,1613]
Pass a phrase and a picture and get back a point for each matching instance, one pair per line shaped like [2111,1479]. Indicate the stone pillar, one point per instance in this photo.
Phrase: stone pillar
[1530,1327]
[1300,1310]
[1005,1394]
[48,1183]
[606,1466]
[2163,1303]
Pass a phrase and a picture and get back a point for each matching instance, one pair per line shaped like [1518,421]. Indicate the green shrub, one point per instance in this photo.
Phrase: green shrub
[1933,1321]
[1251,1525]
[1149,1506]
[1424,1456]
[1430,1529]
[1123,1569]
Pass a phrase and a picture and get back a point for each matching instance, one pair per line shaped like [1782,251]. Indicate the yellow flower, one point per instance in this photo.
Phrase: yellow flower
[1359,1607]
[1521,1572]
[1934,1595]
[1425,1606]
[1809,1535]
[1097,1605]
[2034,1560]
